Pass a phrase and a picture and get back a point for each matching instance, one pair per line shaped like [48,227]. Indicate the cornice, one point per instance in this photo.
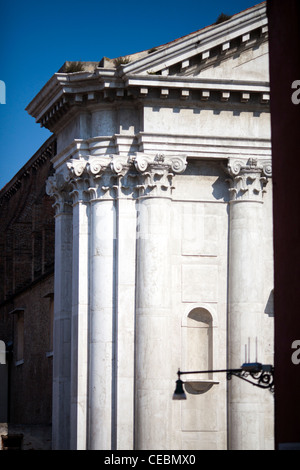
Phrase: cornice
[193,90]
[197,82]
[239,93]
[56,96]
[49,94]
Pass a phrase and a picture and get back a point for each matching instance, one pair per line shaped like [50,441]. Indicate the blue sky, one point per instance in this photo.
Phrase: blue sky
[37,37]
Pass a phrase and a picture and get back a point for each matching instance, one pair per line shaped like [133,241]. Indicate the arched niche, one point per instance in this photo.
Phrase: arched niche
[197,349]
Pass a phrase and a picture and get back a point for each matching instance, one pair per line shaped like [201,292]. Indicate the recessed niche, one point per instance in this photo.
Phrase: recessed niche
[198,350]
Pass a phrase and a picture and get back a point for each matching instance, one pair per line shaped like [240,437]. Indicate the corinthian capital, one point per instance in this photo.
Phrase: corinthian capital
[59,189]
[96,177]
[157,171]
[248,178]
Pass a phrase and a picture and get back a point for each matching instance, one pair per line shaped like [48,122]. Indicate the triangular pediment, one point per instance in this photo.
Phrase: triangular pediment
[248,61]
[234,49]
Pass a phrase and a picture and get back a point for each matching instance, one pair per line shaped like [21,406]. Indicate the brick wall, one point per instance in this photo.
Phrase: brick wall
[26,287]
[26,225]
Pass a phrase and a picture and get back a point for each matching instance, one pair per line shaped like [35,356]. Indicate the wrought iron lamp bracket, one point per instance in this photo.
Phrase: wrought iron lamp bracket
[257,374]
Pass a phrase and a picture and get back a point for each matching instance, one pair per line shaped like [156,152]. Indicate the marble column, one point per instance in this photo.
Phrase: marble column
[56,187]
[80,298]
[101,314]
[245,299]
[125,274]
[154,318]
[102,370]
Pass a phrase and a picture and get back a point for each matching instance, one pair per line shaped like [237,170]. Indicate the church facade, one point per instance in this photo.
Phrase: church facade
[162,188]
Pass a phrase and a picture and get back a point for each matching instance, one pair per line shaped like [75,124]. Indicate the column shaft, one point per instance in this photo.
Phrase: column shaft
[125,328]
[80,284]
[153,316]
[245,323]
[101,325]
[154,371]
[62,332]
[245,303]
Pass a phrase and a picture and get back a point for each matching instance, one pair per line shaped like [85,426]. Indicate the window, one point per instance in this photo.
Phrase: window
[50,296]
[19,335]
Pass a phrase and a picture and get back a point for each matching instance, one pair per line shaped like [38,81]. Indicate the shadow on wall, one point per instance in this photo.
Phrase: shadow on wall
[269,309]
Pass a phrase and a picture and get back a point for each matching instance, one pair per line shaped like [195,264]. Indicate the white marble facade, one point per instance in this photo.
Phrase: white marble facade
[164,256]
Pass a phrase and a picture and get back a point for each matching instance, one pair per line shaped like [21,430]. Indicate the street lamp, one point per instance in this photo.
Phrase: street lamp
[257,374]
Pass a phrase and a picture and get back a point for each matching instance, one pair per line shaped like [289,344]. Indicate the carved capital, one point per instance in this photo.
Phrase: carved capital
[248,178]
[96,177]
[106,177]
[59,189]
[157,171]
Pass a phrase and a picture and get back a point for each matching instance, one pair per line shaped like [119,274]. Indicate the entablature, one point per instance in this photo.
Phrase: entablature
[247,96]
[194,147]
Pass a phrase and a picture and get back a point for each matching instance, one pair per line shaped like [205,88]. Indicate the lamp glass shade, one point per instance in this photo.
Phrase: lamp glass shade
[179,393]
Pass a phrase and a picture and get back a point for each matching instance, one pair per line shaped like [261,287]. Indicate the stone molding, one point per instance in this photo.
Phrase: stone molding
[113,176]
[248,178]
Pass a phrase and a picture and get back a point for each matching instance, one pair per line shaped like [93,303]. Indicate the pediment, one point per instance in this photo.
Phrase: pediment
[234,49]
[248,61]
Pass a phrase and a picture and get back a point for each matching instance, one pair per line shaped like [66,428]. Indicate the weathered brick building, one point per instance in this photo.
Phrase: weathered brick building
[26,304]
